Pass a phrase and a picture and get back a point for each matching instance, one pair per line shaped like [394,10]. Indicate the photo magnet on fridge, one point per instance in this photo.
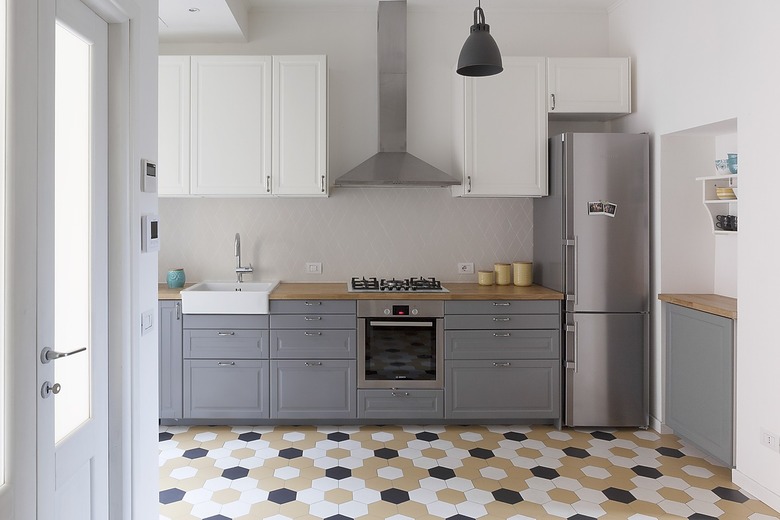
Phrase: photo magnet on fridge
[595,208]
[610,209]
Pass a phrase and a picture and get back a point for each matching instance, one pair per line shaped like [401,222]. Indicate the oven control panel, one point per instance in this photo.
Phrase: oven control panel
[400,308]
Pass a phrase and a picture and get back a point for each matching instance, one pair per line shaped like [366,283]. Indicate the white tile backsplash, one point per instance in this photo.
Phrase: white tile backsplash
[355,232]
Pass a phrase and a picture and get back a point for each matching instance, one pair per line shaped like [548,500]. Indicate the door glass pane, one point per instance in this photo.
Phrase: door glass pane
[72,229]
[2,241]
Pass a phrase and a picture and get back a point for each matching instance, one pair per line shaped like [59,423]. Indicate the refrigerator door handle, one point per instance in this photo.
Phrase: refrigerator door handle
[571,271]
[572,365]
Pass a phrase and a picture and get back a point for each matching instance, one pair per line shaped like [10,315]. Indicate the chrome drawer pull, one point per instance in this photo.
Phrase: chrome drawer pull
[312,333]
[399,394]
[504,318]
[226,363]
[502,304]
[313,363]
[506,364]
[312,318]
[222,333]
[504,335]
[309,304]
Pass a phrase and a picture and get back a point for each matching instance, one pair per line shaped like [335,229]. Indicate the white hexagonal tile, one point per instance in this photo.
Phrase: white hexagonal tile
[536,496]
[390,472]
[353,509]
[184,472]
[542,484]
[287,472]
[553,453]
[204,436]
[168,445]
[314,453]
[624,443]
[706,508]
[434,484]
[647,435]
[350,463]
[594,496]
[423,496]
[673,482]
[424,463]
[505,453]
[588,509]
[471,436]
[323,509]
[596,472]
[479,496]
[382,436]
[493,473]
[399,517]
[441,444]
[251,462]
[524,462]
[410,453]
[226,462]
[647,495]
[622,462]
[459,484]
[639,516]
[324,484]
[259,444]
[326,444]
[675,508]
[325,462]
[567,483]
[234,444]
[217,484]
[471,509]
[417,444]
[266,453]
[310,496]
[255,496]
[196,496]
[647,483]
[352,483]
[206,509]
[450,462]
[244,484]
[361,453]
[367,496]
[559,436]
[293,436]
[696,471]
[534,444]
[703,495]
[441,509]
[548,462]
[559,509]
[235,509]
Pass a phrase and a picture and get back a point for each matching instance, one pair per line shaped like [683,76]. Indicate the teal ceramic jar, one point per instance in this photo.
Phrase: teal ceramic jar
[176,278]
[732,162]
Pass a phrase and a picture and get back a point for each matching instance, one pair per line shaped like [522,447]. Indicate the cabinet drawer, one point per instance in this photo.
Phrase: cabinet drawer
[501,321]
[313,321]
[225,343]
[503,344]
[300,344]
[400,404]
[502,307]
[321,388]
[228,321]
[503,390]
[225,389]
[313,307]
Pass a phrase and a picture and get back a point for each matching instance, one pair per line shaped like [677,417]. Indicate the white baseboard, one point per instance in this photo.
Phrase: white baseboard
[757,490]
[659,427]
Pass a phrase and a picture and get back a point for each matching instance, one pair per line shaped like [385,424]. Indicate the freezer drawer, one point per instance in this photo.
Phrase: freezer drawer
[606,370]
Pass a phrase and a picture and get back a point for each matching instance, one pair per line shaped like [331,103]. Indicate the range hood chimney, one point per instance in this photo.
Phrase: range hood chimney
[393,166]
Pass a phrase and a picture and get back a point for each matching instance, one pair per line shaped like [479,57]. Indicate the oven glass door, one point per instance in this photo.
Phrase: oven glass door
[402,353]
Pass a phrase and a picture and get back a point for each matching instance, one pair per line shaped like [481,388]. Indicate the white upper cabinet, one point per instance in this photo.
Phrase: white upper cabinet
[173,123]
[231,125]
[299,158]
[598,87]
[501,131]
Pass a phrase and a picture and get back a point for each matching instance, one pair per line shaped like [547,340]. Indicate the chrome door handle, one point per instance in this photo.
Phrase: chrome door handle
[399,394]
[552,99]
[312,333]
[322,182]
[48,354]
[468,190]
[222,333]
[572,365]
[268,184]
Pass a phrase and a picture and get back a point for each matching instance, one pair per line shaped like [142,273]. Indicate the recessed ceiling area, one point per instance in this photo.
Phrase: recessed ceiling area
[227,20]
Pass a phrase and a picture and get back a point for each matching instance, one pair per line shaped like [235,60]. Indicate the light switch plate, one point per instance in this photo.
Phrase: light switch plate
[148,176]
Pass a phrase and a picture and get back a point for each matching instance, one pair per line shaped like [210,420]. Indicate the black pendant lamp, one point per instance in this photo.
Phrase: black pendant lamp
[480,55]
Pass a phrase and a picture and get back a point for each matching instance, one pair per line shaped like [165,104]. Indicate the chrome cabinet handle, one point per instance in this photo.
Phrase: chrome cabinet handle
[468,189]
[312,333]
[502,304]
[552,98]
[226,333]
[309,304]
[505,364]
[322,183]
[502,318]
[268,184]
[226,363]
[313,363]
[572,365]
[178,311]
[312,318]
[504,335]
[48,354]
[399,394]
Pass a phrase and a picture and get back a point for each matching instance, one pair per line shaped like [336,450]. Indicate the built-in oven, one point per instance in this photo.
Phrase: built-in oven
[400,343]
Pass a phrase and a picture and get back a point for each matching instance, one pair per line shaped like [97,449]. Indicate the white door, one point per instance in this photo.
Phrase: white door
[73,273]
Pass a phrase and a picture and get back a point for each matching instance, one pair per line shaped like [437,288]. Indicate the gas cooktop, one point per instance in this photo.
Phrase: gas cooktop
[377,285]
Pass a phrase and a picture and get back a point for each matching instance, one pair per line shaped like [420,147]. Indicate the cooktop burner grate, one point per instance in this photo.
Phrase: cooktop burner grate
[421,284]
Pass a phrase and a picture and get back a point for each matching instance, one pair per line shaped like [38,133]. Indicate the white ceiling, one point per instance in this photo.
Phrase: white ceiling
[225,20]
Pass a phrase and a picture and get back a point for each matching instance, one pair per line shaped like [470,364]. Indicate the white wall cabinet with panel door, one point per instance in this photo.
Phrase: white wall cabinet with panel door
[173,123]
[230,134]
[501,131]
[591,88]
[299,157]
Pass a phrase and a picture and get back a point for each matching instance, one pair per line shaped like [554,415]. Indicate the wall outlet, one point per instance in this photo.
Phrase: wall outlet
[770,440]
[466,268]
[313,268]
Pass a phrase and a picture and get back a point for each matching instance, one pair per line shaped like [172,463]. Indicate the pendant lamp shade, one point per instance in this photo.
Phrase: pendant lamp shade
[480,55]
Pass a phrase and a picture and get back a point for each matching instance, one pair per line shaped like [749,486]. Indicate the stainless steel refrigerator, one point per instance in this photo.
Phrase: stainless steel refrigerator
[591,242]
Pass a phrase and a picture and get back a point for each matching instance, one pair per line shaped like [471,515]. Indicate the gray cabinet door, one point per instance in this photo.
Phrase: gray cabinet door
[313,321]
[313,306]
[313,344]
[700,379]
[502,307]
[225,389]
[505,389]
[316,388]
[400,404]
[510,344]
[501,321]
[170,358]
[225,343]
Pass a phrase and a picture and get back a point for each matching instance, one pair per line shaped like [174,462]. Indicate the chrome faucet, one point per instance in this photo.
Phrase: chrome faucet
[240,270]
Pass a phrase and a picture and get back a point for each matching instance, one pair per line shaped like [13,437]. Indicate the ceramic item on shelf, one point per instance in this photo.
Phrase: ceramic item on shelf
[732,162]
[725,193]
[722,166]
[486,277]
[503,274]
[176,278]
[524,273]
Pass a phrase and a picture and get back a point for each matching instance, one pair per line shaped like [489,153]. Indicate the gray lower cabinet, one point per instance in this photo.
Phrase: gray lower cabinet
[170,336]
[321,389]
[700,379]
[400,404]
[225,389]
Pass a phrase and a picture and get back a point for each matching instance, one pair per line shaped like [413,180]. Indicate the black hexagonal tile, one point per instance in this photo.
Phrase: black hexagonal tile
[165,436]
[249,436]
[481,453]
[507,496]
[670,452]
[338,436]
[730,494]
[338,473]
[235,473]
[576,452]
[646,471]
[195,453]
[385,453]
[701,516]
[604,436]
[581,517]
[395,496]
[171,495]
[339,517]
[442,473]
[460,517]
[282,496]
[542,472]
[619,495]
[218,517]
[516,436]
[427,436]
[290,453]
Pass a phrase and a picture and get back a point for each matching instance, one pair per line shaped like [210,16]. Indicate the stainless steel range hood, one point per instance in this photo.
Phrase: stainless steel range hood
[393,166]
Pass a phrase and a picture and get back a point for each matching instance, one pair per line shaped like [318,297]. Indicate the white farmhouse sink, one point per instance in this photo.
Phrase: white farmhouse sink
[227,298]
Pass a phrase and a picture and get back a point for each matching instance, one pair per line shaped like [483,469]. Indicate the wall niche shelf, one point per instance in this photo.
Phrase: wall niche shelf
[716,206]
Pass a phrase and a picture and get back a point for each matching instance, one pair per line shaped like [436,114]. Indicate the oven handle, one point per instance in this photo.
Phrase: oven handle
[423,324]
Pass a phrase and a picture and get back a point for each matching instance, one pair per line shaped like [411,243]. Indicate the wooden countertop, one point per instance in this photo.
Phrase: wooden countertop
[710,303]
[338,291]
